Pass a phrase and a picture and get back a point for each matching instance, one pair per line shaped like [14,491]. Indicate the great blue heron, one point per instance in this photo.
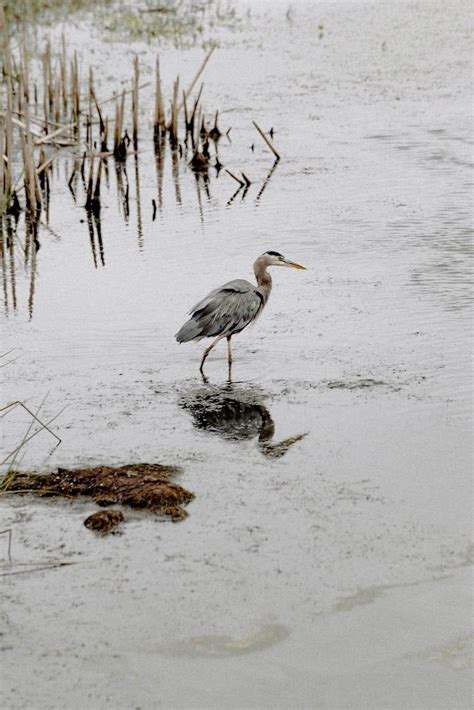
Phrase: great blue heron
[232,307]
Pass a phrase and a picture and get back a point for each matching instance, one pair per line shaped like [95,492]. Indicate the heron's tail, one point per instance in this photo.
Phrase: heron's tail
[191,330]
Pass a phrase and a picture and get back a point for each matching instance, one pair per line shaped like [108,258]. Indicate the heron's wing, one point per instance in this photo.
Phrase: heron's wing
[237,286]
[227,309]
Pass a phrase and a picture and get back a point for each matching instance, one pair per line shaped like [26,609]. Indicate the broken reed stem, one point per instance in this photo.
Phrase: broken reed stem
[267,141]
[44,165]
[49,137]
[198,74]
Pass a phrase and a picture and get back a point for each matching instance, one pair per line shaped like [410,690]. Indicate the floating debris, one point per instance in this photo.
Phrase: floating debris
[268,141]
[141,486]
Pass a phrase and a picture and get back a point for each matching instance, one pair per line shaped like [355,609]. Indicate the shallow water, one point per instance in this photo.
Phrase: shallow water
[302,556]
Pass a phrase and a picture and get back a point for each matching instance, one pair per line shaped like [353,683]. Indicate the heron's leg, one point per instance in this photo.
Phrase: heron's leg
[208,350]
[229,350]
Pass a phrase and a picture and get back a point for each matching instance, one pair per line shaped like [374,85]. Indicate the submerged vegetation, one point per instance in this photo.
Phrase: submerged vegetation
[181,22]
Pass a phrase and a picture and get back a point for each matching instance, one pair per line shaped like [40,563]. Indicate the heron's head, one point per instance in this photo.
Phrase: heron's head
[274,258]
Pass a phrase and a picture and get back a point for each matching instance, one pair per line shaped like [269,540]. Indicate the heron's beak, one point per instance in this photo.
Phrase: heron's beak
[293,265]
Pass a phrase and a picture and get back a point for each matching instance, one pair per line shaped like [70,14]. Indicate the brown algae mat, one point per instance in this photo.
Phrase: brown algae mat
[104,521]
[144,486]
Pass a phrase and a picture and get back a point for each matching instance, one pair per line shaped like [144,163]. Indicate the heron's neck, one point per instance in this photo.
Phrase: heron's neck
[264,279]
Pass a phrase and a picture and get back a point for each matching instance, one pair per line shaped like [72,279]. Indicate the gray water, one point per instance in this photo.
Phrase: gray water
[329,571]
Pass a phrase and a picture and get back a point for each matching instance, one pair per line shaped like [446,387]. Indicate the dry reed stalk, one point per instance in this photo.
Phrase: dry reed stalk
[120,142]
[57,100]
[120,146]
[63,74]
[39,198]
[8,136]
[267,141]
[117,125]
[122,110]
[44,164]
[76,98]
[190,126]
[27,181]
[185,107]
[174,114]
[2,167]
[99,113]
[34,118]
[136,81]
[215,133]
[50,137]
[198,74]
[198,127]
[45,90]
[91,90]
[32,186]
[25,73]
[159,119]
[50,79]
[128,91]
[20,124]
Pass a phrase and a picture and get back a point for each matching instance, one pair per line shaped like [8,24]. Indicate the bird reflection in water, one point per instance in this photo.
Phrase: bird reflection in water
[236,413]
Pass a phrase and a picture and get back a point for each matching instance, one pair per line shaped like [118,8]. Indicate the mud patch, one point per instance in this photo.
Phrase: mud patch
[140,486]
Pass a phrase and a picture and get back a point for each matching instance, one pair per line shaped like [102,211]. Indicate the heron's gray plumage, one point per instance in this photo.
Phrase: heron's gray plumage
[224,311]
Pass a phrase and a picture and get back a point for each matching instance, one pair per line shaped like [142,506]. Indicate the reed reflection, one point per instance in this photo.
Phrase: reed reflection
[159,149]
[18,254]
[238,413]
[138,203]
